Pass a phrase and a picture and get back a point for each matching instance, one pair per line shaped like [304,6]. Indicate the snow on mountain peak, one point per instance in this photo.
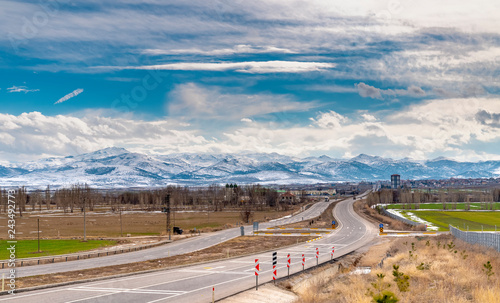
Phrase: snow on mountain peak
[117,167]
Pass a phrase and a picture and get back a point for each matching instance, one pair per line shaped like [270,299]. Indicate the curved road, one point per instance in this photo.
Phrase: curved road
[171,249]
[193,284]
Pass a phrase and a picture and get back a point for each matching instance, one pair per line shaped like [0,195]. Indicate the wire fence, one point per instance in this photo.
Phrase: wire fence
[489,239]
[404,220]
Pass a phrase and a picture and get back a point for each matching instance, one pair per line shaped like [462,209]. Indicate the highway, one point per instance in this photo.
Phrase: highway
[171,249]
[194,283]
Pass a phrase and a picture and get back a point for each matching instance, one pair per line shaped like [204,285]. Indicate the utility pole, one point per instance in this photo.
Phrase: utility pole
[166,210]
[84,223]
[38,234]
[121,223]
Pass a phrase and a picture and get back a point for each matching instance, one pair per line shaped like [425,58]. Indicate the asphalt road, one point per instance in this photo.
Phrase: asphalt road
[195,283]
[175,248]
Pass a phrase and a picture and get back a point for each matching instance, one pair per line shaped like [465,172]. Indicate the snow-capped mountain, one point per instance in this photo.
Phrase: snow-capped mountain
[118,167]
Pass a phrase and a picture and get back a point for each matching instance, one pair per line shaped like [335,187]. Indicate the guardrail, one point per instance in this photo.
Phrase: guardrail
[77,256]
[404,220]
[482,238]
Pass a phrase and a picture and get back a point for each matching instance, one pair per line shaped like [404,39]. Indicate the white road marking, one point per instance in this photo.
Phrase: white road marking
[213,272]
[98,296]
[129,290]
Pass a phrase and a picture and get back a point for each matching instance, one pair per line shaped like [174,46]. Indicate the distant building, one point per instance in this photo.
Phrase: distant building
[395,181]
[288,197]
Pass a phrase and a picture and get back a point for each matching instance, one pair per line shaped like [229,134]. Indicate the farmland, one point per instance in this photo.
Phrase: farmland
[477,221]
[437,206]
[60,225]
[29,248]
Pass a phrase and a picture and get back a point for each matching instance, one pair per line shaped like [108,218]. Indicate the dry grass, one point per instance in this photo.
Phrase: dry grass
[322,221]
[107,224]
[232,248]
[372,215]
[451,277]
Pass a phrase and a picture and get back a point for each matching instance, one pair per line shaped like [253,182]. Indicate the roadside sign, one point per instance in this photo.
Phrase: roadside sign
[275,273]
[317,256]
[381,225]
[255,226]
[303,261]
[288,261]
[275,258]
[333,250]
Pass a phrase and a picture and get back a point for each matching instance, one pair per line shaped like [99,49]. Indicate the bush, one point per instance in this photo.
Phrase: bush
[402,280]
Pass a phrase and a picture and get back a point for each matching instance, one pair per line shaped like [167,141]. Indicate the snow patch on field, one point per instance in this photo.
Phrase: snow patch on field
[414,218]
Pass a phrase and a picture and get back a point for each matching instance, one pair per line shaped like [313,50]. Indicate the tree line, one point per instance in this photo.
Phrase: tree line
[407,196]
[79,196]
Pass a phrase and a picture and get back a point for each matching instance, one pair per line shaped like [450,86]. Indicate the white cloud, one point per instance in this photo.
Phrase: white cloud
[369,117]
[21,89]
[194,101]
[463,129]
[32,135]
[329,120]
[253,67]
[74,93]
[237,49]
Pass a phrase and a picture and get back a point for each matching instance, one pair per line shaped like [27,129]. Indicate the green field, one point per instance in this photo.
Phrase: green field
[473,206]
[461,219]
[29,248]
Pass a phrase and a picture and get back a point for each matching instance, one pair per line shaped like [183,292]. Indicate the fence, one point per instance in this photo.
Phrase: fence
[77,256]
[404,220]
[482,238]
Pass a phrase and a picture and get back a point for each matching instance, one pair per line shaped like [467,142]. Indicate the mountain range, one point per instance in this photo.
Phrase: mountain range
[117,167]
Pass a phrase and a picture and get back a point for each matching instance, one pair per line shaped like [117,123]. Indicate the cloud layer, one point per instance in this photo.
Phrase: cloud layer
[438,127]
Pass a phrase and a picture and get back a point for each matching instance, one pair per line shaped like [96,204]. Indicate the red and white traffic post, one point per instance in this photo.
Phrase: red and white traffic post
[257,268]
[213,294]
[317,256]
[288,264]
[333,250]
[275,261]
[303,262]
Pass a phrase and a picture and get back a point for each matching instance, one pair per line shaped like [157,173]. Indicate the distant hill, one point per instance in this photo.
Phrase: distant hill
[118,167]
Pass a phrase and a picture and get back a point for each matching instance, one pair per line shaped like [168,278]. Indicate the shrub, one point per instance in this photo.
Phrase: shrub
[488,269]
[402,280]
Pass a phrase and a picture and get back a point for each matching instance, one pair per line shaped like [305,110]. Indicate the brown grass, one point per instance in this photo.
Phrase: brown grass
[322,221]
[107,224]
[451,277]
[232,248]
[362,208]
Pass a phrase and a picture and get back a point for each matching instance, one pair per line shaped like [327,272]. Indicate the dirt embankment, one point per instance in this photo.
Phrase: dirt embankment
[362,208]
[322,221]
[431,270]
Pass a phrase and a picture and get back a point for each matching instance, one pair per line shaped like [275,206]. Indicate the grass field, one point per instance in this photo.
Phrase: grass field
[55,225]
[461,219]
[29,248]
[473,206]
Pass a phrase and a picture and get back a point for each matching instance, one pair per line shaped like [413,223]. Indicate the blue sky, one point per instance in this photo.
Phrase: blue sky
[388,78]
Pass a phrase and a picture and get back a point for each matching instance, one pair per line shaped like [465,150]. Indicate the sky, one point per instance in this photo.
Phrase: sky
[417,79]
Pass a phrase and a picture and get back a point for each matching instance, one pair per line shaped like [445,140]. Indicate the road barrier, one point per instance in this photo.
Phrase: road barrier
[404,220]
[78,256]
[482,238]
